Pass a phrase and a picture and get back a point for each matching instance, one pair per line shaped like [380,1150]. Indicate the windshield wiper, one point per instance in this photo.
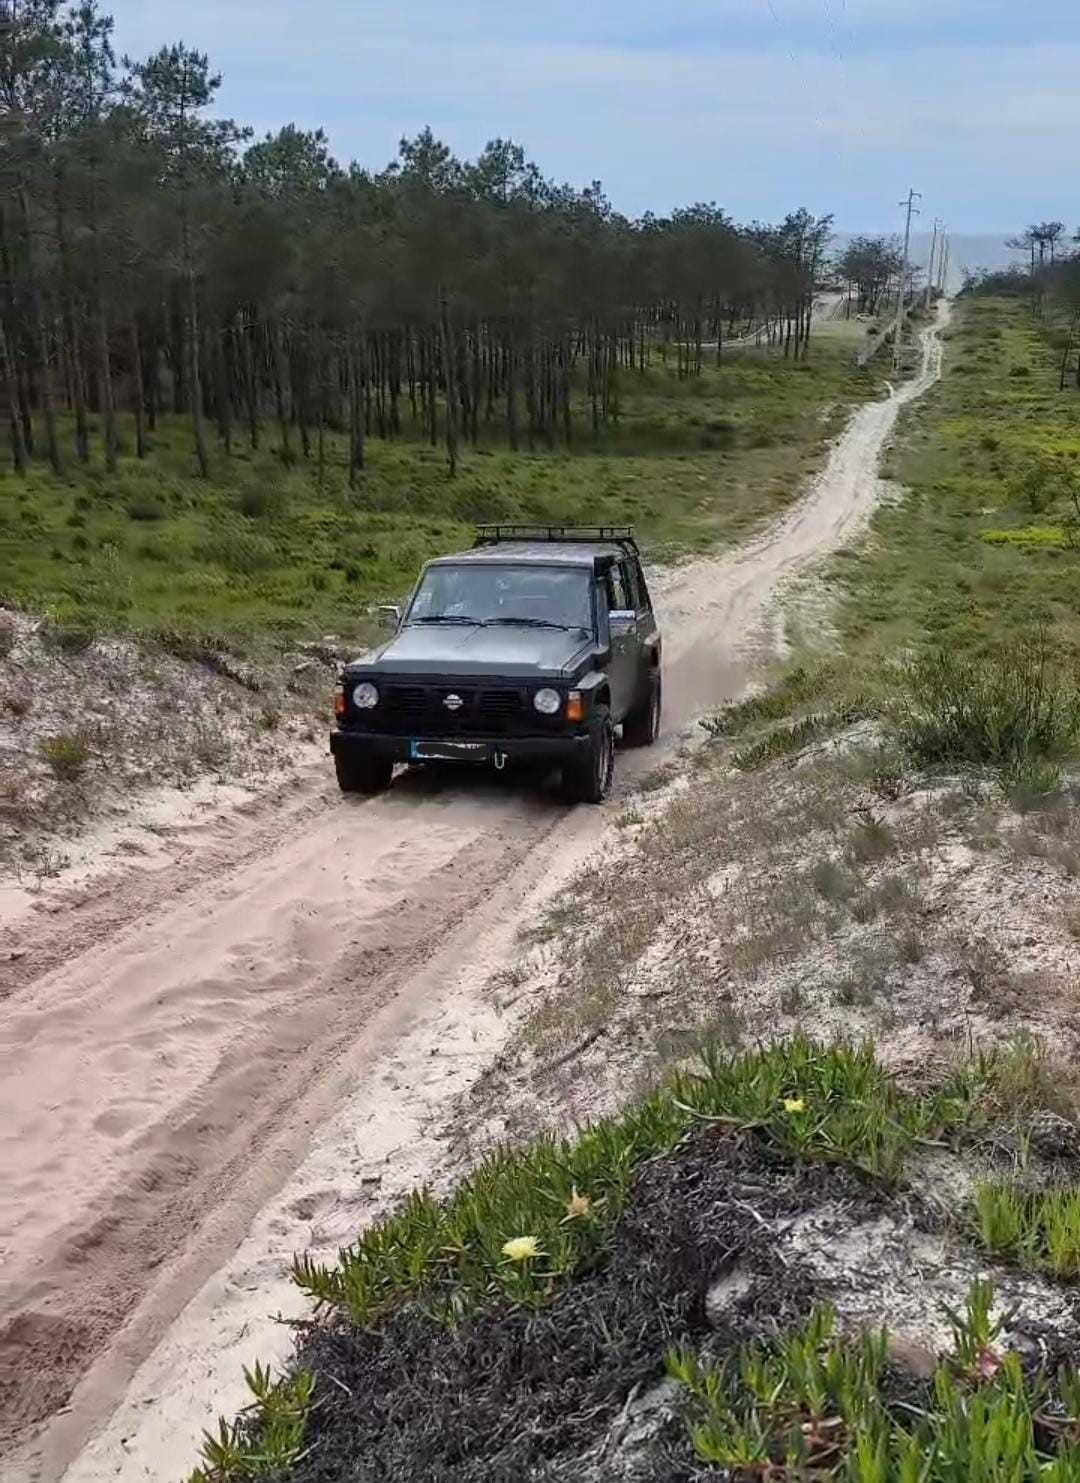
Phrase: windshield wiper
[543,623]
[450,618]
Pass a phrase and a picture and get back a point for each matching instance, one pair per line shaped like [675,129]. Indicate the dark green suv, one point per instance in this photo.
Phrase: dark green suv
[535,645]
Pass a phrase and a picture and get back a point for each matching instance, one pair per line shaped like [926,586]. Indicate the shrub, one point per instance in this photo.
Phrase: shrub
[1033,783]
[240,552]
[870,842]
[66,754]
[261,501]
[1012,707]
[69,635]
[145,507]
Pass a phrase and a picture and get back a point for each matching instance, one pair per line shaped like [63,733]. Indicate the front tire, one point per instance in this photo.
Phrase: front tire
[642,727]
[362,774]
[588,778]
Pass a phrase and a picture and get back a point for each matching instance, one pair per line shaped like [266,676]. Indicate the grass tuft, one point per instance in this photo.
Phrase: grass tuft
[66,754]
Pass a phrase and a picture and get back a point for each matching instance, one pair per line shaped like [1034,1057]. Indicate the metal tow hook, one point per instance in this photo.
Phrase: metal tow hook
[500,761]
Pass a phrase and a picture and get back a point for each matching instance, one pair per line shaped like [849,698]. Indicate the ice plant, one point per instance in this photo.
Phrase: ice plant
[521,1248]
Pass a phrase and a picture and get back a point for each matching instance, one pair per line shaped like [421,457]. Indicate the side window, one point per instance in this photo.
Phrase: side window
[618,596]
[644,601]
[633,587]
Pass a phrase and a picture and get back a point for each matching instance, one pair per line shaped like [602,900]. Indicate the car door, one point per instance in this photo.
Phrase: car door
[625,643]
[647,627]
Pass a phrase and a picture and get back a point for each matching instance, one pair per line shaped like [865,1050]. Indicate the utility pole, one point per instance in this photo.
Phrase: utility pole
[930,264]
[912,210]
[943,265]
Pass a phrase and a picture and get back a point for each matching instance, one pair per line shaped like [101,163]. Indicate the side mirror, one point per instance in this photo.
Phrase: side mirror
[620,619]
[389,615]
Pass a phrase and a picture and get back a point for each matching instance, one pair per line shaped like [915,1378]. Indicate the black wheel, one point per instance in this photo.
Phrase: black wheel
[588,779]
[642,727]
[363,774]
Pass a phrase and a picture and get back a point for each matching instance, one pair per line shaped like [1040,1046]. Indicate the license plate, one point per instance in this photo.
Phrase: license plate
[448,751]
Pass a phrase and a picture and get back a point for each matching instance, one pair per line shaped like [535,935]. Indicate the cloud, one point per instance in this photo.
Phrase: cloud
[756,103]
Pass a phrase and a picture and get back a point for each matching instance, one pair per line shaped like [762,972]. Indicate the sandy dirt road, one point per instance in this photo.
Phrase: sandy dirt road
[250,1047]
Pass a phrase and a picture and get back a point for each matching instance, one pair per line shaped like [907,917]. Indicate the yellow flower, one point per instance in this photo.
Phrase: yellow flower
[521,1248]
[794,1104]
[577,1205]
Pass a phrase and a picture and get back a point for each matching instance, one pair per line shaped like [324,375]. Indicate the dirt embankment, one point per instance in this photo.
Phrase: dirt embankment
[101,737]
[176,1032]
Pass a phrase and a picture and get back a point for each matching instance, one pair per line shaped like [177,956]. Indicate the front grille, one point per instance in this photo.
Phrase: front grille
[499,704]
[421,710]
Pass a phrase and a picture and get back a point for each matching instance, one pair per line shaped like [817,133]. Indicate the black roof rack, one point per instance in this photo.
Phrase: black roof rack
[621,535]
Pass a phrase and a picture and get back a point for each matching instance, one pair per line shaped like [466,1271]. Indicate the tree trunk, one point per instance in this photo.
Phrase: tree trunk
[450,373]
[356,410]
[251,378]
[223,394]
[433,413]
[78,391]
[36,297]
[279,393]
[11,397]
[198,420]
[138,393]
[101,325]
[177,353]
[511,394]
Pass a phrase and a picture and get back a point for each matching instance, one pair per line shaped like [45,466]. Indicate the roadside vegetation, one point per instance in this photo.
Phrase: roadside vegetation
[957,617]
[594,1307]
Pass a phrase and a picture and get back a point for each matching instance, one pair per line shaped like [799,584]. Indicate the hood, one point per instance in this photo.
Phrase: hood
[502,649]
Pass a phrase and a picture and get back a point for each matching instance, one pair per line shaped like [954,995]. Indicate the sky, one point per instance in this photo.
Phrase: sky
[758,105]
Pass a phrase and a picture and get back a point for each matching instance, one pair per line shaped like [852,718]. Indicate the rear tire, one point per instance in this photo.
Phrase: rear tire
[642,727]
[588,778]
[363,774]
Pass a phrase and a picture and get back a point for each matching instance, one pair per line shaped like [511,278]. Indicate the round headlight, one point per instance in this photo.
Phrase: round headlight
[365,696]
[547,702]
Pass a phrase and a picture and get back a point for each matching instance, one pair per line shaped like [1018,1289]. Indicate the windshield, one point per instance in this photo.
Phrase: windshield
[481,592]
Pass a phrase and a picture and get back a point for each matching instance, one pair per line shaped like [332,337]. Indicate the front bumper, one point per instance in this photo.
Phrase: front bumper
[554,749]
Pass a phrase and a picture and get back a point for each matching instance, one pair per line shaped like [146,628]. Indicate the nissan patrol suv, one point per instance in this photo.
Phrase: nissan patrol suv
[535,645]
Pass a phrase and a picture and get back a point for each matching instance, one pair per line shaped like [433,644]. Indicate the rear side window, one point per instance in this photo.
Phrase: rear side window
[618,596]
[633,587]
[643,599]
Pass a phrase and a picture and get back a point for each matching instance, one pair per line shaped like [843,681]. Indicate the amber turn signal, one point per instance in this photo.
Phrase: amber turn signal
[575,706]
[339,700]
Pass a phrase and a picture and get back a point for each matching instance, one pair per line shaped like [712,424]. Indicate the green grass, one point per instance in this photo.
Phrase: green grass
[957,561]
[815,1404]
[264,551]
[957,618]
[561,1197]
